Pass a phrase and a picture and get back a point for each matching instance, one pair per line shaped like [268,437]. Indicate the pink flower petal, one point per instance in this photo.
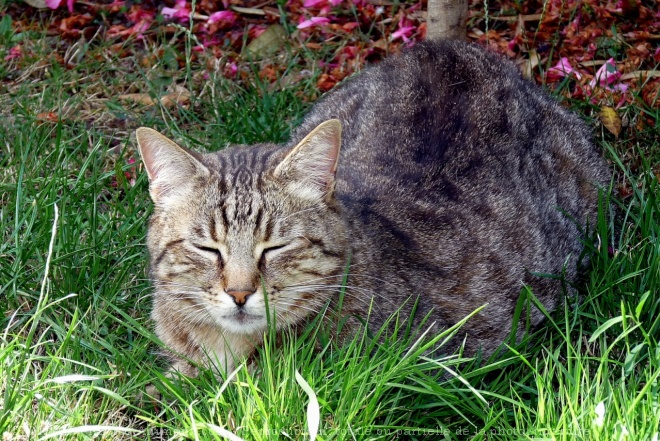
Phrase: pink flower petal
[14,52]
[623,88]
[168,12]
[69,5]
[562,69]
[312,3]
[403,33]
[53,4]
[335,2]
[179,11]
[314,21]
[607,74]
[227,16]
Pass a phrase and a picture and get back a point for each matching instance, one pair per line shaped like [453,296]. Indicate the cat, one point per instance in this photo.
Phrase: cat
[444,178]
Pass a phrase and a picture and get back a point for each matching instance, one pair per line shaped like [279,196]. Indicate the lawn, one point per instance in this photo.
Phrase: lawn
[76,342]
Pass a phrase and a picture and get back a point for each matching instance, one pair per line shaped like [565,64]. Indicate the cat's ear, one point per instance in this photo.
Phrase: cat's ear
[309,169]
[170,168]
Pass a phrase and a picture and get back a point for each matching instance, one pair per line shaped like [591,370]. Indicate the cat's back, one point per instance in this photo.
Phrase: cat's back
[443,111]
[460,179]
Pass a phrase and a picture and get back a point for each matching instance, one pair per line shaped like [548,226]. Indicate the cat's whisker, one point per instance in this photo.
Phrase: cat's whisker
[348,291]
[354,275]
[296,213]
[297,307]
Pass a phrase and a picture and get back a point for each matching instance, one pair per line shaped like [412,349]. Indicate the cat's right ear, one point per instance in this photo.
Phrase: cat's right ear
[170,168]
[309,169]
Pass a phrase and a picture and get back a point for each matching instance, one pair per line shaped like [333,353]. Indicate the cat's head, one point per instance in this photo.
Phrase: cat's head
[246,230]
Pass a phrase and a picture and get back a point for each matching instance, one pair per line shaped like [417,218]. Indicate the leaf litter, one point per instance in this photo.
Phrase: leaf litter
[604,54]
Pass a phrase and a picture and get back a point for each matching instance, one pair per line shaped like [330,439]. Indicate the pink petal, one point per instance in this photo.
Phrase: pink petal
[607,74]
[312,3]
[53,4]
[314,21]
[561,69]
[182,14]
[14,52]
[623,88]
[69,5]
[403,33]
[180,11]
[168,12]
[227,16]
[335,2]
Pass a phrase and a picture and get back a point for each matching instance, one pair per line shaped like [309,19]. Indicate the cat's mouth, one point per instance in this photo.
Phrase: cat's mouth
[242,321]
[241,316]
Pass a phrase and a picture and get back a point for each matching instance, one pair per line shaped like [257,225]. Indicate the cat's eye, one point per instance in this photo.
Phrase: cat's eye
[208,250]
[268,250]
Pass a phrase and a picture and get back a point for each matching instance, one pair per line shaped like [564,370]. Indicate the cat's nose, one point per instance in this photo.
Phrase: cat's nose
[240,297]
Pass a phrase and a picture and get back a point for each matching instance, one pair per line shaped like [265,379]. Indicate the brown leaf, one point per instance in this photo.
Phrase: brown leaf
[48,117]
[267,43]
[180,96]
[249,11]
[610,120]
[39,4]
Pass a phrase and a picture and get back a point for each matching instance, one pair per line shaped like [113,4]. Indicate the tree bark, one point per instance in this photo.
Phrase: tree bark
[446,19]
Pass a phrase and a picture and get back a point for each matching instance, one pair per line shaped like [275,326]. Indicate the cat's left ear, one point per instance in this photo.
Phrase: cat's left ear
[309,169]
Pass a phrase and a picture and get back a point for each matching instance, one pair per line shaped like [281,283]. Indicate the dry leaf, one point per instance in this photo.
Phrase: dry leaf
[48,117]
[39,4]
[139,98]
[180,96]
[267,43]
[248,11]
[610,120]
[530,64]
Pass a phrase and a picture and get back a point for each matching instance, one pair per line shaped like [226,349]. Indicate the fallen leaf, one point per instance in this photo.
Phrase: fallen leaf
[180,96]
[248,11]
[48,117]
[269,42]
[610,120]
[39,4]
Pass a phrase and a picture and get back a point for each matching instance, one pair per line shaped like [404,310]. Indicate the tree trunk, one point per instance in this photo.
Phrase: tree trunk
[446,19]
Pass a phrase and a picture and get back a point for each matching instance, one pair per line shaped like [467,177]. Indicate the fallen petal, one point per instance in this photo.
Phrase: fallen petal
[312,3]
[403,33]
[621,87]
[562,69]
[227,16]
[607,74]
[168,12]
[314,21]
[14,52]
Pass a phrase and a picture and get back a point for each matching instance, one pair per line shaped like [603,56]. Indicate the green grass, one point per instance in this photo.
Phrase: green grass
[76,346]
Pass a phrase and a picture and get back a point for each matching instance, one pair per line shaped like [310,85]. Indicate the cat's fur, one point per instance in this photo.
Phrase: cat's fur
[455,180]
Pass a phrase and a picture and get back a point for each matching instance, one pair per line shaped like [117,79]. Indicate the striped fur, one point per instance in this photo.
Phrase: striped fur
[455,180]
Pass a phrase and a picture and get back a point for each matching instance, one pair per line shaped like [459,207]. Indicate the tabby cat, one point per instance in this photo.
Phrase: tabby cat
[443,176]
